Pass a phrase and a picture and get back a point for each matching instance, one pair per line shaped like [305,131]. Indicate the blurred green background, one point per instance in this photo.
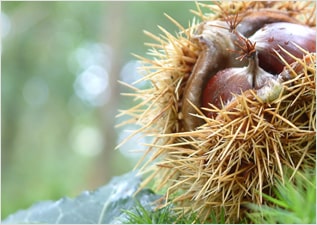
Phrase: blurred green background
[60,65]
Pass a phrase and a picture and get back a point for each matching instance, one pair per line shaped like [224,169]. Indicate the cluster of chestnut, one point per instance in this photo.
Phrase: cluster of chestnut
[267,41]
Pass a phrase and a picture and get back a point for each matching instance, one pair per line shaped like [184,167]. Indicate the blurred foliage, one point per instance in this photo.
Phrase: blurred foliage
[60,66]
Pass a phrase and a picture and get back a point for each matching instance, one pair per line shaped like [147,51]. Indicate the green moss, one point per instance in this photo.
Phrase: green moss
[295,202]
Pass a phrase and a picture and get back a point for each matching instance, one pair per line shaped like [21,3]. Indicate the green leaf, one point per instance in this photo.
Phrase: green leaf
[104,205]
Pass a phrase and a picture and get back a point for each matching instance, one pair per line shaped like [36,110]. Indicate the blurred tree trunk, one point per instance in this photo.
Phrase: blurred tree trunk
[112,30]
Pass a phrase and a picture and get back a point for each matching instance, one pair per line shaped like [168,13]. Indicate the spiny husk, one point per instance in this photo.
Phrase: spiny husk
[240,154]
[304,11]
[232,159]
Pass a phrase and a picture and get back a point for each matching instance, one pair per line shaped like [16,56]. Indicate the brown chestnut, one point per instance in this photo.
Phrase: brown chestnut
[273,37]
[221,87]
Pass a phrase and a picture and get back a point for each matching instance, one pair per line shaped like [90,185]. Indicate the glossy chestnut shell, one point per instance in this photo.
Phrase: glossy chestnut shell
[272,42]
[274,37]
